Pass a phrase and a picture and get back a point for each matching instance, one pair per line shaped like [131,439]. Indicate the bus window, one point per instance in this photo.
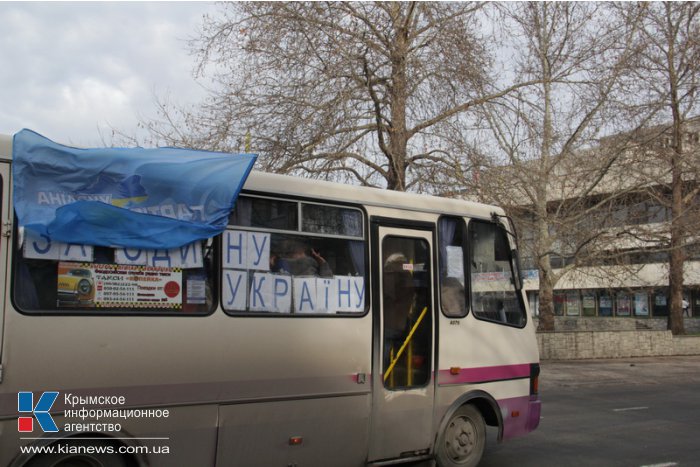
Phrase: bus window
[494,297]
[265,213]
[451,236]
[312,267]
[332,220]
[406,309]
[81,279]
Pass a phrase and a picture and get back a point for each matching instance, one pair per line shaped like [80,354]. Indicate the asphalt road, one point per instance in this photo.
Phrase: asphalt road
[632,412]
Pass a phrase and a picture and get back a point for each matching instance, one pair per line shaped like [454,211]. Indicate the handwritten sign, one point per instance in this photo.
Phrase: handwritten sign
[235,290]
[38,246]
[246,250]
[185,257]
[280,293]
[270,292]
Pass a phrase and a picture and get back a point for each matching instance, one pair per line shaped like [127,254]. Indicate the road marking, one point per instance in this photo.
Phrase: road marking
[634,408]
[666,464]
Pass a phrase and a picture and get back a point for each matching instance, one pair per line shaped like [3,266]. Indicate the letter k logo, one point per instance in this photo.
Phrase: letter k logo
[25,403]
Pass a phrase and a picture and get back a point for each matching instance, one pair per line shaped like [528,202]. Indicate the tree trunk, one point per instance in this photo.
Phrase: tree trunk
[545,266]
[675,317]
[546,297]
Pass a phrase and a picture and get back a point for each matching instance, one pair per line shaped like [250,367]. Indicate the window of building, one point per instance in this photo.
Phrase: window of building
[573,303]
[623,304]
[451,241]
[605,304]
[308,260]
[660,304]
[559,299]
[493,294]
[657,213]
[695,302]
[528,263]
[556,261]
[641,304]
[588,301]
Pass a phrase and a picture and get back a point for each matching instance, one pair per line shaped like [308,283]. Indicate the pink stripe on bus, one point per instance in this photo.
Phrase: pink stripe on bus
[484,374]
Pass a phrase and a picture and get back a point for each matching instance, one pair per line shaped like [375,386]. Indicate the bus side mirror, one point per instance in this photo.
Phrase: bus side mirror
[517,277]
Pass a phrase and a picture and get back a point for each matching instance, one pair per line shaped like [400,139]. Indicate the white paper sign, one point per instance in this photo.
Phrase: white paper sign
[188,256]
[246,250]
[235,287]
[329,295]
[271,293]
[281,294]
[350,293]
[305,295]
[132,256]
[258,254]
[455,262]
[38,246]
[234,249]
[69,252]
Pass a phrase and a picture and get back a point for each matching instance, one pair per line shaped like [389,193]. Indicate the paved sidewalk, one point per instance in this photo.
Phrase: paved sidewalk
[643,370]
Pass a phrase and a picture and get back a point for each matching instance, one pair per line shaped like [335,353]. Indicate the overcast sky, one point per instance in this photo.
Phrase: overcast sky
[72,71]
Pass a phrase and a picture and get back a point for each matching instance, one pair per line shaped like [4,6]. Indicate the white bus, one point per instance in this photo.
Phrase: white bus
[329,325]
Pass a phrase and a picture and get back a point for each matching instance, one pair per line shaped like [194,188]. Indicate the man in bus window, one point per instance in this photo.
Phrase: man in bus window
[301,260]
[398,303]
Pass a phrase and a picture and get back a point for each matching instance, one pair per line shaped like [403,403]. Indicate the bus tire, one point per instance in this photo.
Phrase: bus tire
[82,460]
[462,441]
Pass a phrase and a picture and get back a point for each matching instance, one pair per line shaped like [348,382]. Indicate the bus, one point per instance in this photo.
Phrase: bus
[328,325]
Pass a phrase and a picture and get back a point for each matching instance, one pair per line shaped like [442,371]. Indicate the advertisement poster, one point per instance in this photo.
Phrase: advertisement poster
[588,303]
[573,304]
[623,305]
[605,305]
[118,285]
[641,306]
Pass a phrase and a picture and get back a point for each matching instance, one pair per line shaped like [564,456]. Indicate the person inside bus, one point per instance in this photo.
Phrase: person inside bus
[300,260]
[398,295]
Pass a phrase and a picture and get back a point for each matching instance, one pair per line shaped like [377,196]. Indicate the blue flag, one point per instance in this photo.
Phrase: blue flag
[124,197]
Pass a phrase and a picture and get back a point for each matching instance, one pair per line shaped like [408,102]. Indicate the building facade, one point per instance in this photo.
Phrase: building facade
[625,285]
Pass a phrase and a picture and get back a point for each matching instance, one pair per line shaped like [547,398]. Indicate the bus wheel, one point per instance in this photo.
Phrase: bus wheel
[463,439]
[70,459]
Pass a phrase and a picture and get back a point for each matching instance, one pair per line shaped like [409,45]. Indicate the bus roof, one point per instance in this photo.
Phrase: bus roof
[330,191]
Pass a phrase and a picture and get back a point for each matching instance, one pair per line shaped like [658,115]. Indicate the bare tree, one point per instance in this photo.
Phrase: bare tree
[666,81]
[545,165]
[370,92]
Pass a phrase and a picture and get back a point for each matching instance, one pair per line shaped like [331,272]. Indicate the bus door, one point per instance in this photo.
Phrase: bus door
[403,307]
[5,242]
